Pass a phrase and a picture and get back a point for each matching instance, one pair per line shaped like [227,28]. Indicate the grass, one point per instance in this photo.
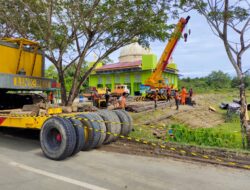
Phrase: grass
[225,135]
[143,133]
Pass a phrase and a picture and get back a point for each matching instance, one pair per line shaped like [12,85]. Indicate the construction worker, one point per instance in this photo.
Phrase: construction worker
[177,99]
[51,97]
[168,94]
[122,101]
[107,96]
[95,98]
[183,95]
[190,92]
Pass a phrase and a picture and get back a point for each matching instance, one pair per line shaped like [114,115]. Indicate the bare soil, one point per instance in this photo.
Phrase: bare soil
[195,116]
[214,156]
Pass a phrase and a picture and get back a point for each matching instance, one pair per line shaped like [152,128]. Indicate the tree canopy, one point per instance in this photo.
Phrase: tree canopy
[69,30]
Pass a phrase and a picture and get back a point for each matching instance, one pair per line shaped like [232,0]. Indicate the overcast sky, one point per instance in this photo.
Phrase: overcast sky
[201,54]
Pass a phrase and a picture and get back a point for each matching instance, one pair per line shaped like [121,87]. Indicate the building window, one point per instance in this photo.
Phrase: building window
[99,80]
[127,78]
[137,77]
[166,81]
[117,79]
[108,80]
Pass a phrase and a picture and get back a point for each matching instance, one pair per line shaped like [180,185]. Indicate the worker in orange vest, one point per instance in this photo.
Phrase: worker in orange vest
[183,95]
[122,101]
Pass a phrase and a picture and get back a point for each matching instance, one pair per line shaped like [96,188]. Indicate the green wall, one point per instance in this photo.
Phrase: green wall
[132,79]
[149,62]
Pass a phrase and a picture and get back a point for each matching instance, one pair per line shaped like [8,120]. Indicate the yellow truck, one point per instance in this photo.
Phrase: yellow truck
[23,106]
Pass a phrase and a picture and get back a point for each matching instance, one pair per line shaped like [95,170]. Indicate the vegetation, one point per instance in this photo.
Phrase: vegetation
[226,136]
[225,18]
[216,81]
[202,131]
[69,31]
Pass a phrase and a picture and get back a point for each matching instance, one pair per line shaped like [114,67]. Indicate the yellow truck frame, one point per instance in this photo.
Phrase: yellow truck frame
[61,135]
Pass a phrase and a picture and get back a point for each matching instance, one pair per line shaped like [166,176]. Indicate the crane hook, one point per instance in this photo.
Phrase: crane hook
[185,36]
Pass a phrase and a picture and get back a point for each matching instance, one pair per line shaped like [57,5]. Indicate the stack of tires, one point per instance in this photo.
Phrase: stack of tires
[62,137]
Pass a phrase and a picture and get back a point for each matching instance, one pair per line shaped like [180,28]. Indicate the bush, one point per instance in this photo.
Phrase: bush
[205,137]
[218,79]
[235,83]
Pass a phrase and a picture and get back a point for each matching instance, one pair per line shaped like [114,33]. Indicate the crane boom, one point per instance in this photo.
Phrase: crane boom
[156,80]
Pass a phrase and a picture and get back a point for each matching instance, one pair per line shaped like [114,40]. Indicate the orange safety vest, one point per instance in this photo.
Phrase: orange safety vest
[183,95]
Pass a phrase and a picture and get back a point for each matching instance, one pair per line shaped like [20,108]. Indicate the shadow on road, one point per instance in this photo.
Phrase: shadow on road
[19,139]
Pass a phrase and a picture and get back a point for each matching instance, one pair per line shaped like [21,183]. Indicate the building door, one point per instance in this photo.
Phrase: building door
[137,89]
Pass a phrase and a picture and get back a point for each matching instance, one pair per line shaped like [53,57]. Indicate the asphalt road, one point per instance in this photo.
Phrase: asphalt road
[23,166]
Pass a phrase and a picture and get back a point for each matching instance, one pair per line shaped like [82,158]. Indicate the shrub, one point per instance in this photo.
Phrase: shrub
[205,137]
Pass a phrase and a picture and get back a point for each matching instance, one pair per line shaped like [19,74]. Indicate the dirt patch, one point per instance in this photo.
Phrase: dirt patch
[208,155]
[192,116]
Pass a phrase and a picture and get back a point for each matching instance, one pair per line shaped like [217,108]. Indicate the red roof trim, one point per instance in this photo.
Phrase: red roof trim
[121,65]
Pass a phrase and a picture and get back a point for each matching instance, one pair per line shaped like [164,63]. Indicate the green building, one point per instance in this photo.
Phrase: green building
[135,65]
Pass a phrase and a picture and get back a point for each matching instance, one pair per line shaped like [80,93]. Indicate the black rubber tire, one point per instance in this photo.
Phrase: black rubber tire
[112,124]
[80,136]
[95,125]
[99,121]
[125,125]
[130,120]
[89,140]
[95,134]
[57,138]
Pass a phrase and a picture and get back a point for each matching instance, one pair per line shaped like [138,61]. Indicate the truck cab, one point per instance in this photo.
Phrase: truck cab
[120,89]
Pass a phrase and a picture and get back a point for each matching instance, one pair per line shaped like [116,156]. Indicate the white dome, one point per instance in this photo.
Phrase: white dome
[133,52]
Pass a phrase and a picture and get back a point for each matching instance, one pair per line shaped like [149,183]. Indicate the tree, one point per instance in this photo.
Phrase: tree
[69,30]
[236,82]
[218,79]
[225,18]
[51,72]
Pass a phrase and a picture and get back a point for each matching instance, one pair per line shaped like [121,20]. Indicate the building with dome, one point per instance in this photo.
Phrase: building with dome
[135,65]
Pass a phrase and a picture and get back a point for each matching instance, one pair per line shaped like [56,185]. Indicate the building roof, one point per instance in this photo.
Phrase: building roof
[121,65]
[133,52]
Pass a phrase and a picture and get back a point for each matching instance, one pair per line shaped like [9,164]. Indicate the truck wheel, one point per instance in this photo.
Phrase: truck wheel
[88,131]
[94,135]
[130,120]
[57,138]
[112,124]
[80,136]
[101,129]
[125,125]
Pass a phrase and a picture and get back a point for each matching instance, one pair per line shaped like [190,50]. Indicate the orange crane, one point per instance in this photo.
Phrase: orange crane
[156,80]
